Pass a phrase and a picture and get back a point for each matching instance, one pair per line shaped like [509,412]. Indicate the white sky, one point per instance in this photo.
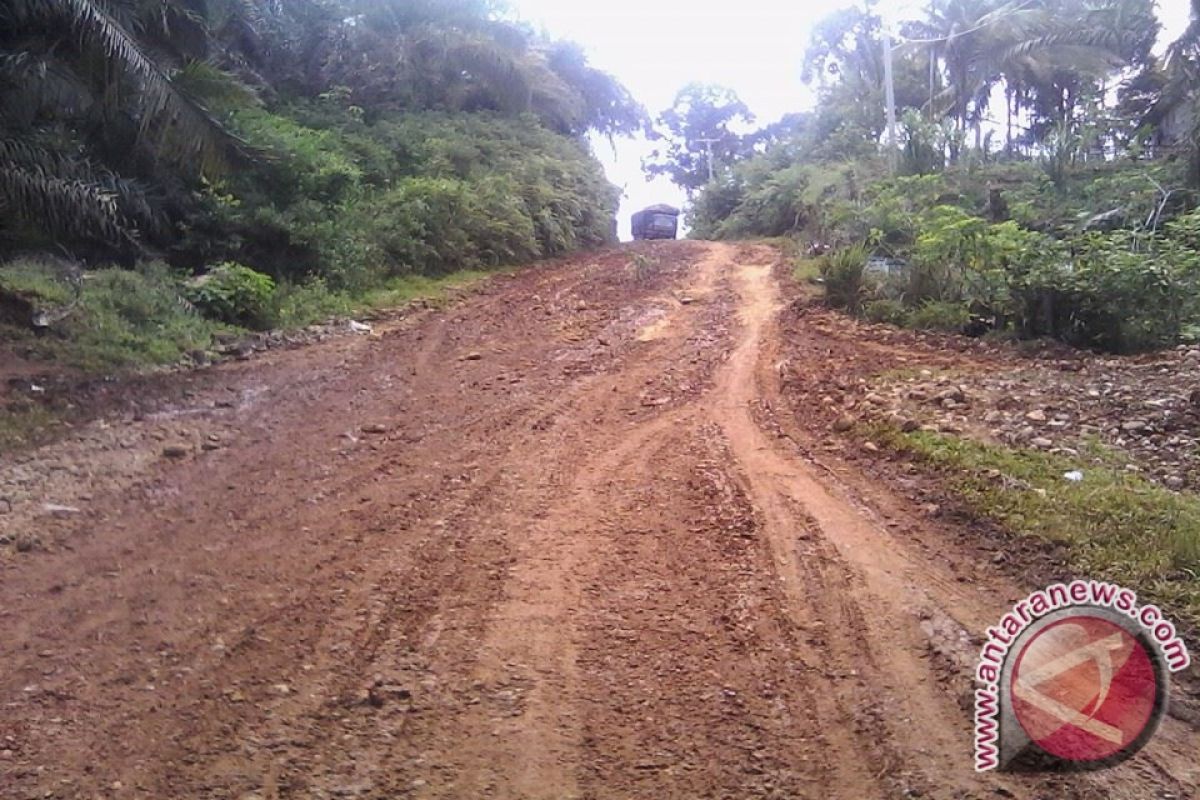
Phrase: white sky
[755,47]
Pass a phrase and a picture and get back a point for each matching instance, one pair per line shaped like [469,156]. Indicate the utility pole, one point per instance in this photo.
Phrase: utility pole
[708,143]
[889,91]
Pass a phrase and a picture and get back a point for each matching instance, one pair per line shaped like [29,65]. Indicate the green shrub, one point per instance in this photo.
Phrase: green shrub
[886,310]
[307,163]
[1125,296]
[233,293]
[952,245]
[842,272]
[940,315]
[359,203]
[774,195]
[418,227]
[295,305]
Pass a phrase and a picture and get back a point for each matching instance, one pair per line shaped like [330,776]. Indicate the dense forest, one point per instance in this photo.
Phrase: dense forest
[1043,180]
[168,165]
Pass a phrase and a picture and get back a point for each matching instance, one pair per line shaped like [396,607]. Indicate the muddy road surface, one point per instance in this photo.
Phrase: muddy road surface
[560,539]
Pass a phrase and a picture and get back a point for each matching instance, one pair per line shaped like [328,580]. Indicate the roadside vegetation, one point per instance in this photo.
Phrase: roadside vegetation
[1116,525]
[1045,180]
[151,315]
[173,171]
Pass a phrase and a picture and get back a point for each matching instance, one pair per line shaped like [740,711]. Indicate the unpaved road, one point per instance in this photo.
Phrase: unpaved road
[559,540]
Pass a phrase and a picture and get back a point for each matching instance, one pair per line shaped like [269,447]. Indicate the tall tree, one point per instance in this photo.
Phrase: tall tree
[1181,81]
[844,60]
[699,138]
[961,42]
[463,55]
[1072,49]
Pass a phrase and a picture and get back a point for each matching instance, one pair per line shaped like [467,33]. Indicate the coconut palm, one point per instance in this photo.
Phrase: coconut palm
[1048,54]
[964,46]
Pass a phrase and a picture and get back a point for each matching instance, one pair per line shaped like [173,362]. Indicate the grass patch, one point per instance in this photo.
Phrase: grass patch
[939,315]
[408,288]
[806,270]
[1117,525]
[122,319]
[298,305]
[888,311]
[132,319]
[35,277]
[25,426]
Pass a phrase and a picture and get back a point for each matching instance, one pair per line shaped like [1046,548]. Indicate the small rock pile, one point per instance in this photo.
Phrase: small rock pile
[242,348]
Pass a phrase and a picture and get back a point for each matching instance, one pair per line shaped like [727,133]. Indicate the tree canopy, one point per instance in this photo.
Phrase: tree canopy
[1047,168]
[696,128]
[115,115]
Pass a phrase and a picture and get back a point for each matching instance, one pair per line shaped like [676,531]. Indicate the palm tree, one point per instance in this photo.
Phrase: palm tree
[963,45]
[1182,77]
[1070,49]
[1047,53]
[77,85]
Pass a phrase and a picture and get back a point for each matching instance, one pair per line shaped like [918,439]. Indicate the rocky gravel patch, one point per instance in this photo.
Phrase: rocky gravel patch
[1146,413]
[46,495]
[1140,413]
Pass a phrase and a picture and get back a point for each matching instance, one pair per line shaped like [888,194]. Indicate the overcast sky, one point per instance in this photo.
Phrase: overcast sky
[755,47]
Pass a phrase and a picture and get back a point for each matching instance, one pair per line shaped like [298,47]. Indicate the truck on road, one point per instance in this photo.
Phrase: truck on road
[655,222]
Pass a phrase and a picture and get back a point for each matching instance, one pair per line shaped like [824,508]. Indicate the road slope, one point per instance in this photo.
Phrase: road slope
[553,541]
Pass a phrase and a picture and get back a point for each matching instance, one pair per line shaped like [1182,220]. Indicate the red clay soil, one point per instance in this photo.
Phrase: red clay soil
[559,540]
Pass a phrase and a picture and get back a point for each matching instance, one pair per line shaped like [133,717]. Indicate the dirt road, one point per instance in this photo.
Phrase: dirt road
[559,540]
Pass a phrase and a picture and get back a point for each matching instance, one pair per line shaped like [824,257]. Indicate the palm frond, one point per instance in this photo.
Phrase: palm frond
[70,198]
[1101,44]
[183,126]
[70,209]
[35,83]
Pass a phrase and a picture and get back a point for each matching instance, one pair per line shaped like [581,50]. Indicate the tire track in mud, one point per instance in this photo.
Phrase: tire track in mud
[582,624]
[527,746]
[690,657]
[273,573]
[502,662]
[881,603]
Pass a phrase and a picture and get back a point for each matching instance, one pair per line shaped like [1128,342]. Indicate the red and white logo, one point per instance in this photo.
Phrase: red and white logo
[1076,675]
[1083,688]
